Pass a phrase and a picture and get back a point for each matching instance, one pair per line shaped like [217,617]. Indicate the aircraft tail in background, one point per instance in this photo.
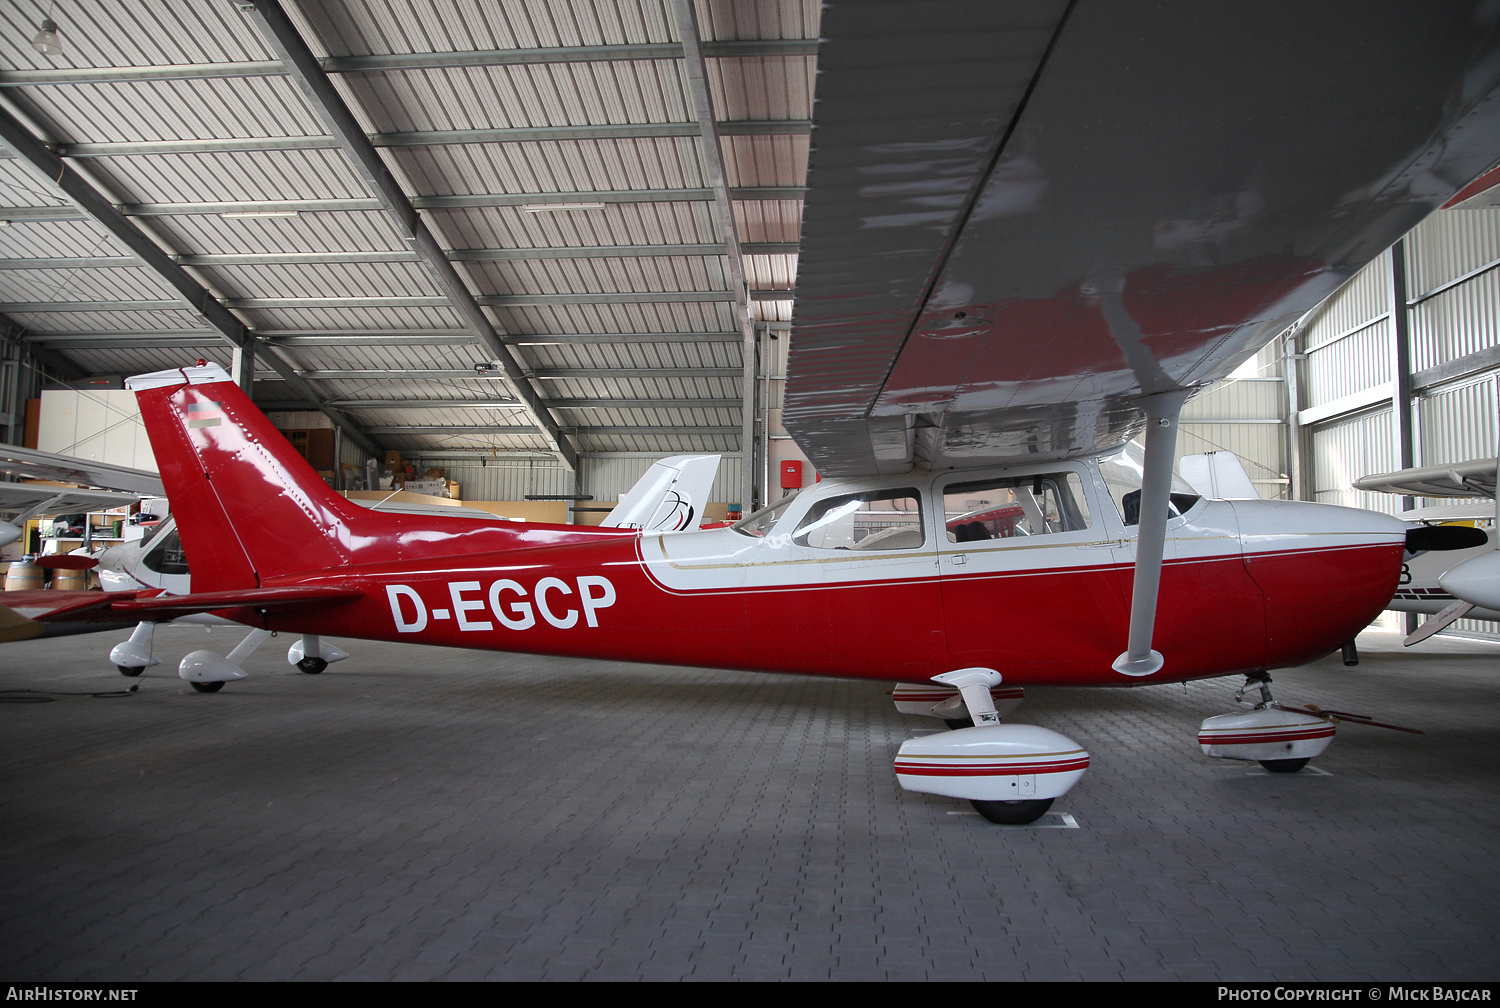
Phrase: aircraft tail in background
[670,497]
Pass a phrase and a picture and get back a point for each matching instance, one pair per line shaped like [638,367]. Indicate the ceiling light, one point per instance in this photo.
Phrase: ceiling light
[555,207]
[46,40]
[4,223]
[242,214]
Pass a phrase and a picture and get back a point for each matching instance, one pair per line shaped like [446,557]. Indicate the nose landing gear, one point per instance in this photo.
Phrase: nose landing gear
[1281,739]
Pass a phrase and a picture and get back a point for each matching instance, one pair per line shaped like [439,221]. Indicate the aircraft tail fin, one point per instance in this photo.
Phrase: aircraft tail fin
[248,506]
[670,497]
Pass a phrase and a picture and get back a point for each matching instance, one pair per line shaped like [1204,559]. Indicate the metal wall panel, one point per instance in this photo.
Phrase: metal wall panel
[1457,322]
[1458,422]
[1448,245]
[1365,297]
[1348,449]
[1252,399]
[502,479]
[1342,367]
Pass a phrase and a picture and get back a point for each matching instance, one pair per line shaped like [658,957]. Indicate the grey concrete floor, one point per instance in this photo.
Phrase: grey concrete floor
[421,813]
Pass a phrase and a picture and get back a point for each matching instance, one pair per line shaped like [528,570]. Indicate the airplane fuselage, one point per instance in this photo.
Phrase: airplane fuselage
[1247,585]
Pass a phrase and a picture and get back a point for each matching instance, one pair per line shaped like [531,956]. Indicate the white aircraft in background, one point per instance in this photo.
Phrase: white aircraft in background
[1447,586]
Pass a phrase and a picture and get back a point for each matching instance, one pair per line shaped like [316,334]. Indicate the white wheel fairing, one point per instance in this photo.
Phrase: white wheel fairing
[992,763]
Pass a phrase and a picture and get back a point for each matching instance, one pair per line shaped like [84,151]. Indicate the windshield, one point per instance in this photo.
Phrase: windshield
[759,523]
[1123,474]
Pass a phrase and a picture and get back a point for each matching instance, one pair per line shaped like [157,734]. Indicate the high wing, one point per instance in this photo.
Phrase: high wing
[23,500]
[1025,218]
[64,468]
[1474,478]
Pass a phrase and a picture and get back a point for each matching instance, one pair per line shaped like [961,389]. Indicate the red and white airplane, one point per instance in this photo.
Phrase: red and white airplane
[1032,231]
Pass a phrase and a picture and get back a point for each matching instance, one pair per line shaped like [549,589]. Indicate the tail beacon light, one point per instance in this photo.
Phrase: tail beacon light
[1278,739]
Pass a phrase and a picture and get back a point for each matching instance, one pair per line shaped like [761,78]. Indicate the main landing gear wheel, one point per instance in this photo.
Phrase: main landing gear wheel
[956,723]
[312,666]
[1012,813]
[1283,765]
[131,670]
[207,687]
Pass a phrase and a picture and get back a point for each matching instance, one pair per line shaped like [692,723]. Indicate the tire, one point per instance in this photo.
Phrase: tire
[207,687]
[958,723]
[131,670]
[1012,813]
[1283,765]
[312,665]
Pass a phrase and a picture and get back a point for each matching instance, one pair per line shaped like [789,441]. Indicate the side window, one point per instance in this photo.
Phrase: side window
[1012,506]
[167,557]
[874,520]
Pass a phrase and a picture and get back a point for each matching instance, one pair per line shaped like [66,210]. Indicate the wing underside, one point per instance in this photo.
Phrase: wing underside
[1023,217]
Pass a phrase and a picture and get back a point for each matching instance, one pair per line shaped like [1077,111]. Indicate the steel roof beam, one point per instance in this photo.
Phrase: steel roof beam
[194,297]
[454,255]
[582,429]
[435,301]
[23,214]
[685,19]
[379,404]
[123,339]
[553,374]
[410,61]
[432,138]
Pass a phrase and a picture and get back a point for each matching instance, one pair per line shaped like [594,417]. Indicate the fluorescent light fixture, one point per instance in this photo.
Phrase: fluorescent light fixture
[557,207]
[46,41]
[244,214]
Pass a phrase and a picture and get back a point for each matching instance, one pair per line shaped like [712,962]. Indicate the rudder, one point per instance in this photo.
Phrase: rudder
[248,506]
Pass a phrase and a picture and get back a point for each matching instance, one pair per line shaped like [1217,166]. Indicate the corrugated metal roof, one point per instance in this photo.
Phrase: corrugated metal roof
[232,105]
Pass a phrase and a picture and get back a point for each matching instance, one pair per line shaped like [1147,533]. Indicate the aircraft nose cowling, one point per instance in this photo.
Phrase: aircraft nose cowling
[1476,580]
[1325,572]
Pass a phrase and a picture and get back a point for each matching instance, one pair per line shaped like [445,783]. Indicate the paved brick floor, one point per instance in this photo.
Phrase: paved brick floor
[420,813]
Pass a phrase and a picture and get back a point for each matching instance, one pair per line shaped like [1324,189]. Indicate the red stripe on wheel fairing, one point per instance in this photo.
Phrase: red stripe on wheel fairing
[994,770]
[1280,736]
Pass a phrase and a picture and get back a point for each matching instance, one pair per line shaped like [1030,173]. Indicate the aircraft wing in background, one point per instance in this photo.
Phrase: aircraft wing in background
[33,464]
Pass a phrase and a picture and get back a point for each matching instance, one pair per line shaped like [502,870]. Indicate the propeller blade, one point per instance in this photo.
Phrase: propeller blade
[1442,619]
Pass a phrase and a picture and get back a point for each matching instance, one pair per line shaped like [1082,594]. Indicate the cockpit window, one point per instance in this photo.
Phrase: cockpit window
[759,524]
[1123,473]
[166,556]
[873,520]
[1011,506]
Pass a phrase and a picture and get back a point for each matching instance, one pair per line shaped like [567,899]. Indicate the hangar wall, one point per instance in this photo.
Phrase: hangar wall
[1399,367]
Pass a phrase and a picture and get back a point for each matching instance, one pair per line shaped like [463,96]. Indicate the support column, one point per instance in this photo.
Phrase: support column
[1401,384]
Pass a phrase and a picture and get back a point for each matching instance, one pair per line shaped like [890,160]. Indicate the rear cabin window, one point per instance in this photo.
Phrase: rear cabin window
[876,520]
[1015,506]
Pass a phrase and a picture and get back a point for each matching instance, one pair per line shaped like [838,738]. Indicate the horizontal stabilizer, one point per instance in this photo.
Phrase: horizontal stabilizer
[165,607]
[51,606]
[14,626]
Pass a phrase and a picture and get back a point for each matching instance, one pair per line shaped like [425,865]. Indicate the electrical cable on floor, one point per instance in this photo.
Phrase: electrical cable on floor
[48,696]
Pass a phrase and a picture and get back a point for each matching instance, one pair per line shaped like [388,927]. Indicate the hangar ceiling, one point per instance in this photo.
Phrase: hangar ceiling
[363,201]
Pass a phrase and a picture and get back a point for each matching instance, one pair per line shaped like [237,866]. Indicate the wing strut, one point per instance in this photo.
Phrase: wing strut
[1162,411]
